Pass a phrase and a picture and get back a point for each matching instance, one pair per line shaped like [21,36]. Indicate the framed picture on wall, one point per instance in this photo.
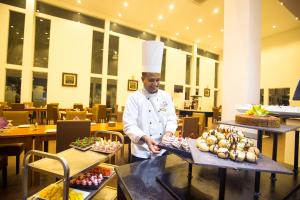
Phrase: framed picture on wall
[206,92]
[133,85]
[69,79]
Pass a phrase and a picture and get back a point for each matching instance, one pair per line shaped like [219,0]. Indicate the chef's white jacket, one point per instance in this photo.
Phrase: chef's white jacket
[148,114]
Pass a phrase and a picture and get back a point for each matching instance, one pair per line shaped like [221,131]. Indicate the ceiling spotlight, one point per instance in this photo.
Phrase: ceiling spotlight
[160,17]
[46,33]
[297,18]
[209,36]
[177,34]
[216,10]
[151,25]
[171,7]
[281,3]
[78,13]
[125,4]
[215,47]
[41,20]
[274,26]
[200,20]
[222,30]
[79,1]
[197,41]
[11,26]
[17,33]
[187,28]
[22,38]
[119,14]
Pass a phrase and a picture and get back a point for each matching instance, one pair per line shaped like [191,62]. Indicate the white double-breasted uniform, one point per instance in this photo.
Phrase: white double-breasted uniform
[148,114]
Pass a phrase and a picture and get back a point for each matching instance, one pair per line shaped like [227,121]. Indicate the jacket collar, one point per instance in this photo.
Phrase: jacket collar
[149,95]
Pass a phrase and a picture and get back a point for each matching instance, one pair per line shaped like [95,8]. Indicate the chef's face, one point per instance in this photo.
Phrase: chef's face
[151,81]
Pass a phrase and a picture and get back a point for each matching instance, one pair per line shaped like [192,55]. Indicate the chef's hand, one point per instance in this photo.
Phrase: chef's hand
[168,134]
[151,144]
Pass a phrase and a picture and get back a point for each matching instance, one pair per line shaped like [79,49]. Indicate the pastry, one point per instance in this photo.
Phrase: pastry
[232,137]
[203,147]
[212,132]
[220,136]
[199,141]
[166,140]
[211,140]
[237,155]
[240,134]
[214,148]
[224,143]
[248,143]
[251,157]
[205,135]
[176,143]
[223,153]
[254,150]
[185,145]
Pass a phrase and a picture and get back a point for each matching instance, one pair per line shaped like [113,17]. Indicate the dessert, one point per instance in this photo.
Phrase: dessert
[257,116]
[106,146]
[177,142]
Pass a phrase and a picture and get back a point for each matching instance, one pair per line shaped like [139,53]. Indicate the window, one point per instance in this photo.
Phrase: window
[13,86]
[197,71]
[113,55]
[188,70]
[95,91]
[42,38]
[279,96]
[163,67]
[111,93]
[261,99]
[97,52]
[39,88]
[187,93]
[15,38]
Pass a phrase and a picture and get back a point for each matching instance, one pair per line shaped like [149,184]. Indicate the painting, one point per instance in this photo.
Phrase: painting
[69,80]
[132,85]
[206,92]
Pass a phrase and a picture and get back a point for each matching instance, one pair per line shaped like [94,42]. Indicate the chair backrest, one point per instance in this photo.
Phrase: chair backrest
[120,117]
[17,106]
[190,127]
[52,112]
[17,117]
[201,117]
[1,110]
[78,106]
[216,114]
[3,103]
[101,113]
[112,135]
[69,130]
[70,115]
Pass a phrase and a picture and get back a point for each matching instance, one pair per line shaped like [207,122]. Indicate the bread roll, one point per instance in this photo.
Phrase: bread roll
[223,153]
[211,140]
[251,157]
[203,147]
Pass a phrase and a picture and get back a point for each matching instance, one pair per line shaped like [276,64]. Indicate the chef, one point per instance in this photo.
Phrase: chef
[149,113]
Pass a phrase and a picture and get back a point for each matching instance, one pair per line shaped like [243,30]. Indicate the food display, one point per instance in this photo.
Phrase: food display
[92,179]
[177,142]
[55,191]
[83,144]
[106,146]
[228,142]
[257,116]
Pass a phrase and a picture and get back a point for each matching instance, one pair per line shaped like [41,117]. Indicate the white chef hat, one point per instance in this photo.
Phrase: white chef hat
[152,56]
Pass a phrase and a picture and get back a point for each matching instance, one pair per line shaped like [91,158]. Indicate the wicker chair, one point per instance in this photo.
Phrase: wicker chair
[69,130]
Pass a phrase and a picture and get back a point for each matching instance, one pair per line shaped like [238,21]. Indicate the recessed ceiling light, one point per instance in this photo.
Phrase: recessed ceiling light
[200,20]
[215,47]
[17,33]
[281,3]
[79,1]
[119,14]
[125,4]
[187,28]
[216,10]
[197,41]
[41,20]
[297,18]
[209,36]
[171,7]
[160,17]
[11,26]
[46,33]
[177,34]
[78,13]
[22,38]
[151,25]
[274,26]
[222,30]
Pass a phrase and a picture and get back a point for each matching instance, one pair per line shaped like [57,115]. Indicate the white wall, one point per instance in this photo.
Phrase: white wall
[70,51]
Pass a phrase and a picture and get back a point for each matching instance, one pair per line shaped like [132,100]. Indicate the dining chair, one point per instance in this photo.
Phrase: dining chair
[120,117]
[17,106]
[99,112]
[202,123]
[216,114]
[69,130]
[190,127]
[17,117]
[71,115]
[52,113]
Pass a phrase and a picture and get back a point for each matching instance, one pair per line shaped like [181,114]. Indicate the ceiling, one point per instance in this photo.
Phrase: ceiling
[208,33]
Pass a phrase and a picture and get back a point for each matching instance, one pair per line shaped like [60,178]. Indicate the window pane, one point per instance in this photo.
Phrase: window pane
[13,86]
[42,38]
[197,71]
[113,55]
[279,96]
[97,52]
[163,67]
[95,91]
[39,89]
[187,93]
[15,38]
[111,93]
[188,70]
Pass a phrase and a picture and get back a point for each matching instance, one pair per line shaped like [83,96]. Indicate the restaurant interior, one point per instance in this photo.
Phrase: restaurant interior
[67,68]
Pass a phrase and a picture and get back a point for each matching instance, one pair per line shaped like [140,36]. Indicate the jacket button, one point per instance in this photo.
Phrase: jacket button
[148,98]
[160,134]
[150,135]
[150,122]
[149,110]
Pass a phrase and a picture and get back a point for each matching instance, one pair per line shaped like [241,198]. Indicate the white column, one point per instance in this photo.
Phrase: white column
[241,72]
[193,70]
[105,61]
[28,51]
